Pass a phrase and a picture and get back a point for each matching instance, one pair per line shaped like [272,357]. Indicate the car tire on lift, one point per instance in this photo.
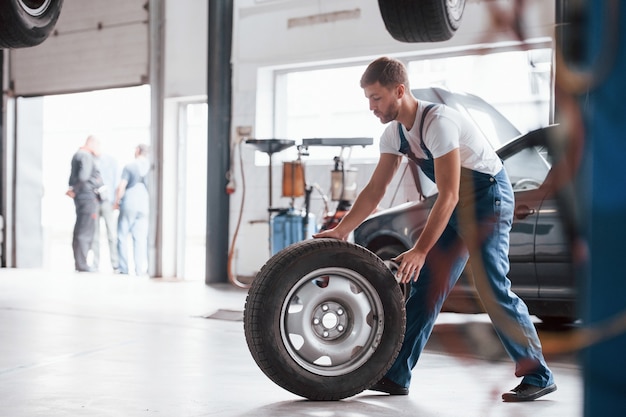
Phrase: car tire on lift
[421,20]
[324,319]
[25,23]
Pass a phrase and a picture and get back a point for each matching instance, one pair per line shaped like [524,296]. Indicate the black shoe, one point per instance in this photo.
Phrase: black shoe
[527,392]
[388,386]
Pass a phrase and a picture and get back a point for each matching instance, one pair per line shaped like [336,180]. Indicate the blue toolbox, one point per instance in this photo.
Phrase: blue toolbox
[290,226]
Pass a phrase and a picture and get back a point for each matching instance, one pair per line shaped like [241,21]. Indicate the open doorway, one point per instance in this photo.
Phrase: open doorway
[121,119]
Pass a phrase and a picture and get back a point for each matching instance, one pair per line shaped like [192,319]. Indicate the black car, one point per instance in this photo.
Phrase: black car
[541,269]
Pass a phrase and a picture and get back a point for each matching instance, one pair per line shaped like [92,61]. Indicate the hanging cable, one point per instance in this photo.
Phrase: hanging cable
[232,277]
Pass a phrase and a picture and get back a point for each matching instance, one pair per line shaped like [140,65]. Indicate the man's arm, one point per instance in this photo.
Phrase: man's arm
[86,167]
[368,199]
[448,175]
[119,192]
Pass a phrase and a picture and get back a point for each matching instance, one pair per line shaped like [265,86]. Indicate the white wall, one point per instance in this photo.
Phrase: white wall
[185,48]
[263,41]
[185,31]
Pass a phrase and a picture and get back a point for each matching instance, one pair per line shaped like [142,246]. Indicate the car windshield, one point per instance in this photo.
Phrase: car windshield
[528,168]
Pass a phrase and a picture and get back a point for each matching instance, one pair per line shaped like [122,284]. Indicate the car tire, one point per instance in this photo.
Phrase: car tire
[421,20]
[25,23]
[324,319]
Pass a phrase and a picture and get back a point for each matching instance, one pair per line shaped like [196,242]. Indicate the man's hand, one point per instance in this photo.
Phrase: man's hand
[410,265]
[70,193]
[448,170]
[330,234]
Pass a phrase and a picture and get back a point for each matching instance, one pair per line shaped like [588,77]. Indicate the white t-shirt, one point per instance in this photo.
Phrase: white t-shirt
[444,129]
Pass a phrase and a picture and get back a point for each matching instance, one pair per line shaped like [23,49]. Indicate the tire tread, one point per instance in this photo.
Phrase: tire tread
[417,20]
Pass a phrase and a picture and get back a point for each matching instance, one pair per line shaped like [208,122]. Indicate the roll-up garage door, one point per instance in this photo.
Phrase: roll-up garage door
[96,44]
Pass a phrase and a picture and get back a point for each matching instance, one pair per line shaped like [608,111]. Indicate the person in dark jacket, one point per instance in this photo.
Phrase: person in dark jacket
[84,185]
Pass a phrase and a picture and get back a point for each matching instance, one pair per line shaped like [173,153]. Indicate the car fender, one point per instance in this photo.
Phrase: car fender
[377,227]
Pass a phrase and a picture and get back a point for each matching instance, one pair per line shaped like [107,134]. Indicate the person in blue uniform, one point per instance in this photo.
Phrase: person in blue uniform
[471,217]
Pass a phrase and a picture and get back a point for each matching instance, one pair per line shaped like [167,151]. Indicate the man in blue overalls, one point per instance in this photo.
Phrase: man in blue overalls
[472,216]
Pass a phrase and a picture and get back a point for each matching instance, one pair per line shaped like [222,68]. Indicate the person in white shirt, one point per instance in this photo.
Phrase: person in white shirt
[472,216]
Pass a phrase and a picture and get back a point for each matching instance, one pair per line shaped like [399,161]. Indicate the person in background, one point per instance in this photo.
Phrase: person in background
[109,173]
[133,202]
[471,217]
[84,182]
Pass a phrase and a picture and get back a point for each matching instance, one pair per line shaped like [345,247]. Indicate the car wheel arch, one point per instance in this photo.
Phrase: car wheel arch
[381,240]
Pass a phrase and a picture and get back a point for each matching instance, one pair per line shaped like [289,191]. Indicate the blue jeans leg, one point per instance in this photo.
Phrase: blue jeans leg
[443,266]
[490,266]
[139,232]
[123,229]
[491,211]
[106,212]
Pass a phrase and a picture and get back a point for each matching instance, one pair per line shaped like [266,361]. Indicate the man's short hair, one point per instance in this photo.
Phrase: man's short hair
[143,149]
[389,72]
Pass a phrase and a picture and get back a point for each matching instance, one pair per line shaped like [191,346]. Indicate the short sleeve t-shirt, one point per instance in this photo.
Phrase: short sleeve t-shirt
[136,196]
[444,129]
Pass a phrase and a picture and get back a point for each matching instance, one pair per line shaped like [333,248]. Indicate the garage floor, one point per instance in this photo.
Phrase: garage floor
[76,344]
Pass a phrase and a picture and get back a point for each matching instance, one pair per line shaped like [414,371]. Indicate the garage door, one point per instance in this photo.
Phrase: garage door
[96,44]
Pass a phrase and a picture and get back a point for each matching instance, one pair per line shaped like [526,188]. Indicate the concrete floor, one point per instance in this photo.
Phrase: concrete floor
[76,344]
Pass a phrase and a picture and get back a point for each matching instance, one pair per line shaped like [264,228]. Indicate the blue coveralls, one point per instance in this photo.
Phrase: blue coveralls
[486,202]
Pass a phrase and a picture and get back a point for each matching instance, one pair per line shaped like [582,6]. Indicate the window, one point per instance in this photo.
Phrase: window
[328,101]
[517,83]
[528,168]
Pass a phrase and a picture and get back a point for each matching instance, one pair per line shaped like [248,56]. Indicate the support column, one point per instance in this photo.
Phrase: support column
[219,89]
[3,188]
[156,13]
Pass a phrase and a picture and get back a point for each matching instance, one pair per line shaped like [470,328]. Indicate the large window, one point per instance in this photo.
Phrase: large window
[325,103]
[517,82]
[328,102]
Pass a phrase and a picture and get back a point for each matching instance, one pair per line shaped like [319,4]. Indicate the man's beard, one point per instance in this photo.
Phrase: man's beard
[389,115]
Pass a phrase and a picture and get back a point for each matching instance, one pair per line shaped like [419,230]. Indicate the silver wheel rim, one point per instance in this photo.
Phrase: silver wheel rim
[455,8]
[332,321]
[35,7]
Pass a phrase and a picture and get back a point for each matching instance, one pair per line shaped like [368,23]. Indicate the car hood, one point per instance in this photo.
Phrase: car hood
[492,124]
